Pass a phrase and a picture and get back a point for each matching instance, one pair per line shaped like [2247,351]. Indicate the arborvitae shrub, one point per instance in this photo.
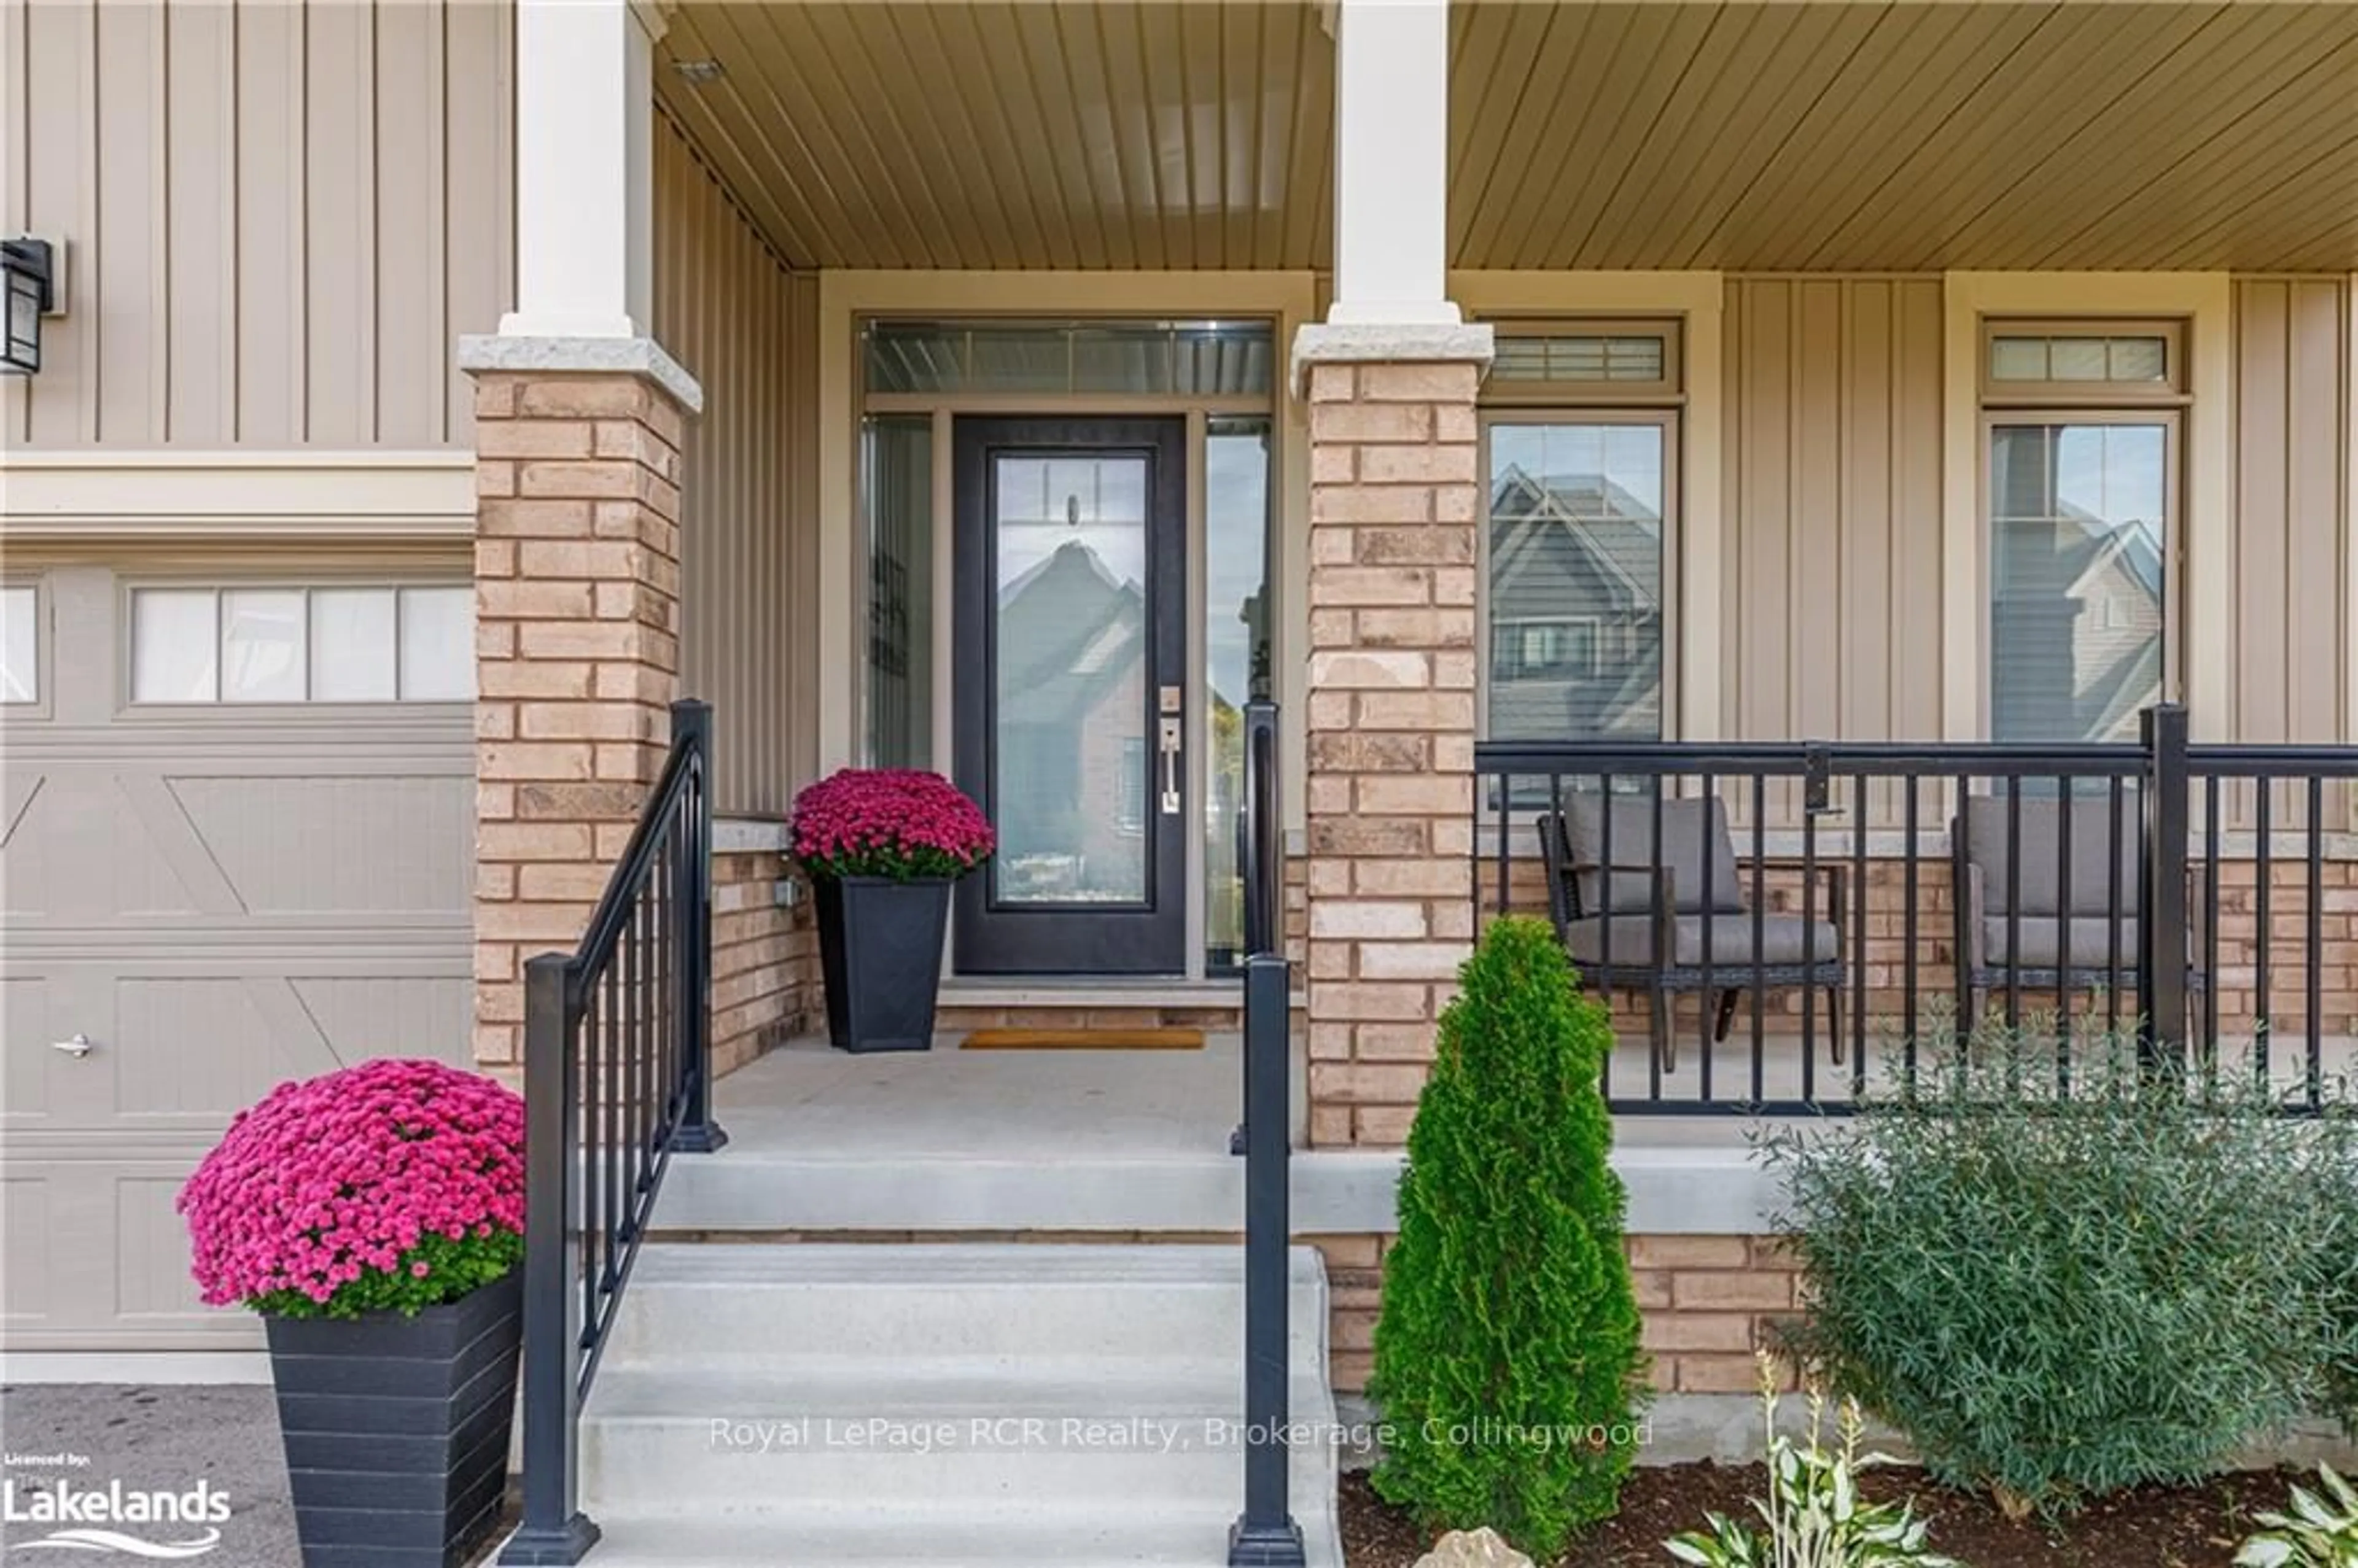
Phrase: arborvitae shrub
[1506,1360]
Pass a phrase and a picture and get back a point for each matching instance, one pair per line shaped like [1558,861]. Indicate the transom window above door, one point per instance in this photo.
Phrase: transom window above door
[1125,358]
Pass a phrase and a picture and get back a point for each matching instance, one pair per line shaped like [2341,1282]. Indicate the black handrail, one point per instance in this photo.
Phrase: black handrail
[1265,1534]
[617,1079]
[2146,920]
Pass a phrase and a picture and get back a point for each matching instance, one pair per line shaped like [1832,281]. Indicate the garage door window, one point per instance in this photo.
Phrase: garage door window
[302,644]
[20,645]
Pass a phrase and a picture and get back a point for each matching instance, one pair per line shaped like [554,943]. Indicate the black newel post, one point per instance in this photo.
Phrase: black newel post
[554,1531]
[2162,929]
[1265,1535]
[691,725]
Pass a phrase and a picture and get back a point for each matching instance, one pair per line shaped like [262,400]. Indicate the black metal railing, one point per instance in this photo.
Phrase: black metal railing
[1853,902]
[617,1079]
[1265,1534]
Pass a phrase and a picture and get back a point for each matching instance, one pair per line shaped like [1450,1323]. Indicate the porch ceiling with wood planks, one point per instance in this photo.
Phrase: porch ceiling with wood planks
[1976,133]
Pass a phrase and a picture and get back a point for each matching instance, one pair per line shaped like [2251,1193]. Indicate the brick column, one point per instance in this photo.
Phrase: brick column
[577,642]
[1394,501]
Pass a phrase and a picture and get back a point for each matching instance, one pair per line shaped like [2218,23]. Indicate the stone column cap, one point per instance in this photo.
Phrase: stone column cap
[485,352]
[1391,342]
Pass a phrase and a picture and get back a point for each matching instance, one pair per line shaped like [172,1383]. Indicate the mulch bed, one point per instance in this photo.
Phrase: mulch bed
[2191,1527]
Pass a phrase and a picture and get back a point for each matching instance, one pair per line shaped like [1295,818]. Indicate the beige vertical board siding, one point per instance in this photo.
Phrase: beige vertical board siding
[2293,434]
[728,308]
[1831,491]
[2293,423]
[278,217]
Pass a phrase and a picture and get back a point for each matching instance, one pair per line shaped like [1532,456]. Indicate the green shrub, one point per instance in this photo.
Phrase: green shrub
[1507,1360]
[2059,1296]
[1813,1515]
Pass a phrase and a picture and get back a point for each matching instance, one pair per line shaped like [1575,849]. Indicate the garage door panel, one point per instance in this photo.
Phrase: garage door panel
[29,1064]
[365,845]
[366,1016]
[27,1284]
[221,899]
[195,1052]
[96,1258]
[153,1286]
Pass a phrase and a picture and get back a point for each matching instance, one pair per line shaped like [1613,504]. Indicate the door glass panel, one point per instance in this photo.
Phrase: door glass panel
[1576,603]
[2077,606]
[1069,538]
[1236,658]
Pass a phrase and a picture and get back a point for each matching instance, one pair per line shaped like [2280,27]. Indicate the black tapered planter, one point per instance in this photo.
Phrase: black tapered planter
[879,944]
[397,1428]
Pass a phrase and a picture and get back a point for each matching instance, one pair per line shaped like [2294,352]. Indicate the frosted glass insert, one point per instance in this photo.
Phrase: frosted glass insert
[175,646]
[437,644]
[351,644]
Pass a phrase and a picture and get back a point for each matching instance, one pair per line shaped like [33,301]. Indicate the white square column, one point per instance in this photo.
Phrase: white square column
[1391,164]
[585,108]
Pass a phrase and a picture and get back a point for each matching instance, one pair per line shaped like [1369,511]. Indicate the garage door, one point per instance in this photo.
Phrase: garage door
[238,849]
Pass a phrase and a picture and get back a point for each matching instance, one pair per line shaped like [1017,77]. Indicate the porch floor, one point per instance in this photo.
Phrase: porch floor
[948,1104]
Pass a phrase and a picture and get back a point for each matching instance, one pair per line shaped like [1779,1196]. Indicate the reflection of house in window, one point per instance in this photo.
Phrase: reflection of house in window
[1575,608]
[1524,650]
[2077,609]
[1069,795]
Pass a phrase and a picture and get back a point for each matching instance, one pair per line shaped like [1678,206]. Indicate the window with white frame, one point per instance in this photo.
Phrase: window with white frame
[1580,429]
[325,642]
[2081,422]
[20,644]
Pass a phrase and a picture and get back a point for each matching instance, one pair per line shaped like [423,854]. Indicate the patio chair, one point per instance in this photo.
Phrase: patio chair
[1649,921]
[2048,935]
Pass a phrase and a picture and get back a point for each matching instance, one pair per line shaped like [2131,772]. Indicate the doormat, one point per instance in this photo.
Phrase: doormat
[1083,1040]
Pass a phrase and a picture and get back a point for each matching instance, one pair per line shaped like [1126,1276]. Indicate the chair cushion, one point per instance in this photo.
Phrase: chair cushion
[1691,828]
[2042,854]
[2090,937]
[1784,939]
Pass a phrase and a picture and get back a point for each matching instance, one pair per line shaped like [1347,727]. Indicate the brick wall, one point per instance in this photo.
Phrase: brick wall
[577,601]
[1390,721]
[766,984]
[1706,1300]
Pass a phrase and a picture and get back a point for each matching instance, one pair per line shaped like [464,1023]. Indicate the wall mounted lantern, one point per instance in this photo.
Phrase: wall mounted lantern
[26,270]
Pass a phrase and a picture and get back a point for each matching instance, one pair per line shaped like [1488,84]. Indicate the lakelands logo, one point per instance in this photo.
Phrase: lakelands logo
[89,1518]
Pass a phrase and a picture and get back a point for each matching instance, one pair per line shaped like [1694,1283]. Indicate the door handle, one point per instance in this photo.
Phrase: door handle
[1171,733]
[77,1048]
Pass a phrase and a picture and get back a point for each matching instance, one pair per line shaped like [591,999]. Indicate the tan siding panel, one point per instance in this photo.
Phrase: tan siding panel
[278,217]
[728,310]
[2293,416]
[1832,500]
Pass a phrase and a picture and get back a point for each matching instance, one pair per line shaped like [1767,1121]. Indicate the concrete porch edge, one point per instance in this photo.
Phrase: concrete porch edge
[1693,1190]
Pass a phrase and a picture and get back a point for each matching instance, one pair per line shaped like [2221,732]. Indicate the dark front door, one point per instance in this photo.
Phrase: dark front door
[1070,634]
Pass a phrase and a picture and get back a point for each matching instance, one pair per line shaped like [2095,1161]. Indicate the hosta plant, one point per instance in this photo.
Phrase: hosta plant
[1813,1515]
[395,1185]
[901,823]
[2322,1531]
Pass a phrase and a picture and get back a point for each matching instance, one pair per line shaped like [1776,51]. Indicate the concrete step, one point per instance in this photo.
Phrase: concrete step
[1104,1535]
[719,1443]
[1057,1406]
[897,1303]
